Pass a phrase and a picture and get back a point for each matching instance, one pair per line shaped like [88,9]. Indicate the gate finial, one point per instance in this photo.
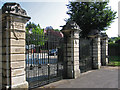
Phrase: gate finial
[13,8]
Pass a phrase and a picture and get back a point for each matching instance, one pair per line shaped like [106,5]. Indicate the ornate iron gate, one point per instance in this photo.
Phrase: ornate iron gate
[85,57]
[43,61]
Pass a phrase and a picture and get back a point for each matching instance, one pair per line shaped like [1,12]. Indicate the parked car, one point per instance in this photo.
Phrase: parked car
[30,48]
[53,52]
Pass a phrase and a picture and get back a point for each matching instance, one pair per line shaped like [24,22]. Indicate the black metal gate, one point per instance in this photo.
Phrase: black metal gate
[85,58]
[43,61]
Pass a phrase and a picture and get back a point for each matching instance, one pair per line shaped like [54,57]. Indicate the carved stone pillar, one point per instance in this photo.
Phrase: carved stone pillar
[14,19]
[71,50]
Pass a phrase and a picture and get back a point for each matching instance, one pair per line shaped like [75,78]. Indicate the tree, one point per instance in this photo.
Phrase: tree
[30,25]
[114,40]
[56,30]
[34,34]
[91,15]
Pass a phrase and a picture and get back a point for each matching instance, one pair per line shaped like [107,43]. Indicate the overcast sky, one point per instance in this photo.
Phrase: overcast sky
[53,12]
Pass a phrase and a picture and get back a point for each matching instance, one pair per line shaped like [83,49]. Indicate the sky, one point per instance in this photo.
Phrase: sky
[113,30]
[53,13]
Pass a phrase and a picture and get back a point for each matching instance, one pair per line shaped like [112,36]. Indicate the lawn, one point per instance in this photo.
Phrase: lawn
[114,61]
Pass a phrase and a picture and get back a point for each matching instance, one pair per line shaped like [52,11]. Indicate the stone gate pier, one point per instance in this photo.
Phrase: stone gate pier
[71,49]
[104,49]
[14,19]
[96,48]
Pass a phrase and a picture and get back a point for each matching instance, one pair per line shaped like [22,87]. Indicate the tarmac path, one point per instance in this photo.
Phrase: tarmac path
[106,77]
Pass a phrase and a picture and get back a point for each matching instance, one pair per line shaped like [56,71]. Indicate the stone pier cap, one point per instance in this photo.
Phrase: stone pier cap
[14,9]
[70,26]
[94,33]
[104,36]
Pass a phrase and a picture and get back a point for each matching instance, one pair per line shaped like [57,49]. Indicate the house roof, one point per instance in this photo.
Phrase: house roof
[52,32]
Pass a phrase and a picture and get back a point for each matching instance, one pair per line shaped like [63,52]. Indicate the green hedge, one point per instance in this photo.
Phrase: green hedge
[114,58]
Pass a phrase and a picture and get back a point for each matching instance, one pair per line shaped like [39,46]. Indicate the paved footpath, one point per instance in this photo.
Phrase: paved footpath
[106,77]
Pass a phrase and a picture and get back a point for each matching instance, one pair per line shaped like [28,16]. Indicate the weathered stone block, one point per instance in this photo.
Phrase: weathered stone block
[0,64]
[0,50]
[0,69]
[18,64]
[5,43]
[69,49]
[4,80]
[76,49]
[19,20]
[69,59]
[76,35]
[17,57]
[0,40]
[0,78]
[23,86]
[16,72]
[76,58]
[76,73]
[76,54]
[17,25]
[76,62]
[17,50]
[70,72]
[76,42]
[6,34]
[18,80]
[68,54]
[69,45]
[5,65]
[4,57]
[76,46]
[20,35]
[5,50]
[95,48]
[1,54]
[6,72]
[69,63]
[99,46]
[15,42]
[76,67]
